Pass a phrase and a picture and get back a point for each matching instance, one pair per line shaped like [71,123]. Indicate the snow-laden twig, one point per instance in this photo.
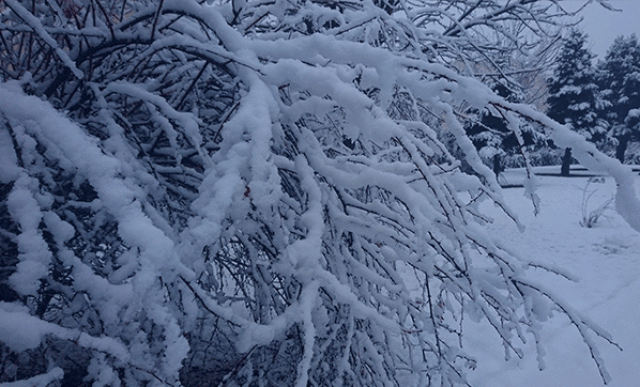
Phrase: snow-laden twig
[39,29]
[261,190]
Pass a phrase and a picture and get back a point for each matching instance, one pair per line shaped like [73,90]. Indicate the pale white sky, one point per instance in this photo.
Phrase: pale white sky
[603,26]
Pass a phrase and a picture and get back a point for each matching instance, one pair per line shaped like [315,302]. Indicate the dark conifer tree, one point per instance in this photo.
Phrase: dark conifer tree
[491,135]
[573,92]
[619,79]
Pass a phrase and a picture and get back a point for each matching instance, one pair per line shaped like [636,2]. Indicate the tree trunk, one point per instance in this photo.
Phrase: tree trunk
[566,162]
[623,141]
[497,165]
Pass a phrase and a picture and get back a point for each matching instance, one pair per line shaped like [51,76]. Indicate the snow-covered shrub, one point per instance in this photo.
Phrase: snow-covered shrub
[632,154]
[231,193]
[590,216]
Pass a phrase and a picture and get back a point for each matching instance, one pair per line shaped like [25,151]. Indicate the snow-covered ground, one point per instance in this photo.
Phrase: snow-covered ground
[606,259]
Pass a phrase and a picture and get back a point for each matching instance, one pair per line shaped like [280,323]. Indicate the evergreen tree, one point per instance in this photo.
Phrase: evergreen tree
[573,92]
[492,136]
[619,78]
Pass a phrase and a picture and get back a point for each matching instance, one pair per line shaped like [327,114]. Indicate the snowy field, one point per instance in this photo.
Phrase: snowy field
[606,261]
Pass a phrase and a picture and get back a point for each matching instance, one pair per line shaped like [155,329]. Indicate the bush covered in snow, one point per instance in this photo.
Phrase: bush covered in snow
[243,193]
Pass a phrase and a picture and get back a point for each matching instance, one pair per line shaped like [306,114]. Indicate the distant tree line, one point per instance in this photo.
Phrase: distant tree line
[601,102]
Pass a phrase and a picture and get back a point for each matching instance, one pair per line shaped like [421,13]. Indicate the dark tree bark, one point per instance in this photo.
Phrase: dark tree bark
[566,162]
[497,165]
[623,142]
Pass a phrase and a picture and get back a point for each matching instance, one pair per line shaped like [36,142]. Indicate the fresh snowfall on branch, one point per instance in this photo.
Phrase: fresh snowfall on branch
[249,193]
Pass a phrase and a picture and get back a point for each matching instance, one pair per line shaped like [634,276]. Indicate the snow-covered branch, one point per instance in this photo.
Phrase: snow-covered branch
[248,193]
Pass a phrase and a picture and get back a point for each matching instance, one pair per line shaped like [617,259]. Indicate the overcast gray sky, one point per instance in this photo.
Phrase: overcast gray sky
[603,25]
